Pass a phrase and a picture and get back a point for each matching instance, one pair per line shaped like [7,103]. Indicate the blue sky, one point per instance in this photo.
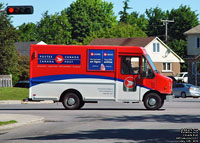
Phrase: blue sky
[40,6]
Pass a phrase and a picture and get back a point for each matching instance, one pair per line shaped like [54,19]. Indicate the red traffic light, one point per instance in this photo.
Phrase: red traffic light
[11,10]
[19,10]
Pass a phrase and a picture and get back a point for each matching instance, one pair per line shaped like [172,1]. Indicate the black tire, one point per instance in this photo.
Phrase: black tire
[195,97]
[162,103]
[71,101]
[183,94]
[81,104]
[153,101]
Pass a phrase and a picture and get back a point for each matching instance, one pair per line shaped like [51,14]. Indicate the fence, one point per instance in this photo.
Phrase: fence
[5,80]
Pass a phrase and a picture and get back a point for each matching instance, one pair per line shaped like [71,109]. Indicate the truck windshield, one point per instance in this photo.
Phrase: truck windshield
[151,63]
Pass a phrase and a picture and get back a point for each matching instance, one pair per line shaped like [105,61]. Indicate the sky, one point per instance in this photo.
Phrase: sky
[53,6]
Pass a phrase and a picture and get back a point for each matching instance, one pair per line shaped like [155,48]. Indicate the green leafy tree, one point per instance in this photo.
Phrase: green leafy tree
[54,29]
[135,19]
[121,30]
[124,14]
[184,19]
[179,47]
[27,32]
[89,15]
[24,67]
[8,56]
[155,26]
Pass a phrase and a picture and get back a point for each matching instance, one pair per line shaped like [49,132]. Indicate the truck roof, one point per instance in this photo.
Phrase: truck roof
[120,49]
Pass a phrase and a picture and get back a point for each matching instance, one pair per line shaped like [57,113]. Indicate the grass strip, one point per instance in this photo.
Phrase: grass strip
[7,122]
[13,93]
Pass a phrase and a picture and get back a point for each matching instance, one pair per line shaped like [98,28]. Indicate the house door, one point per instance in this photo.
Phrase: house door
[128,75]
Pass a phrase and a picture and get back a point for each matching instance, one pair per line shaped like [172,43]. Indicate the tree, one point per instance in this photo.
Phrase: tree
[155,26]
[8,56]
[184,19]
[27,32]
[86,16]
[121,30]
[24,67]
[124,14]
[54,29]
[179,47]
[135,19]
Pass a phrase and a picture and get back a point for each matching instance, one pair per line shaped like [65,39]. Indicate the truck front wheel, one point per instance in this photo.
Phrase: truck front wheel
[71,101]
[152,101]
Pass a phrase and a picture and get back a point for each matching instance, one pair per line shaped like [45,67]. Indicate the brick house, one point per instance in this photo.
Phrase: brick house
[193,52]
[166,61]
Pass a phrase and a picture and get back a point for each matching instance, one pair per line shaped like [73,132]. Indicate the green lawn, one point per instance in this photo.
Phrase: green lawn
[7,122]
[13,93]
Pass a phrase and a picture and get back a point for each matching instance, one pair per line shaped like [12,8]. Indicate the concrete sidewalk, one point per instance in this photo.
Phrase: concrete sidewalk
[25,102]
[21,119]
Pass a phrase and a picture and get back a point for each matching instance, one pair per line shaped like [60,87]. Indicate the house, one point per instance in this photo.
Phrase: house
[24,47]
[193,52]
[166,61]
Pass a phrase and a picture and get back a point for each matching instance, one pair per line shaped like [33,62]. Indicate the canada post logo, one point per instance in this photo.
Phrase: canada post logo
[59,59]
[92,54]
[130,82]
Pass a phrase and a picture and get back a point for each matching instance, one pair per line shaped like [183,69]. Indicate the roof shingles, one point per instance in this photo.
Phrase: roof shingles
[141,42]
[195,30]
[24,47]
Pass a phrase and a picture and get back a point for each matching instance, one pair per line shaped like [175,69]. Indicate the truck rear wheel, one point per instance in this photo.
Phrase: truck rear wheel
[153,101]
[81,104]
[71,101]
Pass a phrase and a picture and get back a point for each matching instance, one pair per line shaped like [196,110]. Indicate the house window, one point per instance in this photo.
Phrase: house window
[156,47]
[167,67]
[197,42]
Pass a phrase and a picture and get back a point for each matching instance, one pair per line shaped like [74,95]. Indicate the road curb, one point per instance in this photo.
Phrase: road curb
[37,102]
[10,101]
[22,120]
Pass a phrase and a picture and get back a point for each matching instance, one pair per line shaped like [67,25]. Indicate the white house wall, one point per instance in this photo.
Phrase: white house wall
[160,56]
[192,50]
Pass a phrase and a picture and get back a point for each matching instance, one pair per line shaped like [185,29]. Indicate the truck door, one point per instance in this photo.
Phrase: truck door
[128,78]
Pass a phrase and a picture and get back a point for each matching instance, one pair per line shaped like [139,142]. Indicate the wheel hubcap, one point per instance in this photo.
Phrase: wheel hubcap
[183,95]
[71,101]
[152,101]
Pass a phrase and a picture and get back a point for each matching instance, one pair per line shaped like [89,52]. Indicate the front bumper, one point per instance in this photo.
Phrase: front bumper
[194,94]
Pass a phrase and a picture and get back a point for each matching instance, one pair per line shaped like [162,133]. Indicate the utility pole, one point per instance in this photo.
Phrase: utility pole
[165,22]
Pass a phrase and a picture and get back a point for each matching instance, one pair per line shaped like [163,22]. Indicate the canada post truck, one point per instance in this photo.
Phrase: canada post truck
[75,75]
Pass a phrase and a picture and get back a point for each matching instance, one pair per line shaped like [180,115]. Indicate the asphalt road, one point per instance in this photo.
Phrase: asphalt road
[106,122]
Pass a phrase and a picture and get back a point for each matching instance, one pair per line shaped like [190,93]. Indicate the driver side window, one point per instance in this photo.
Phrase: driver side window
[129,65]
[146,69]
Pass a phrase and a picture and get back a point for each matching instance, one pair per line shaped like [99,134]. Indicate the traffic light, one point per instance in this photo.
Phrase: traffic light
[19,10]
